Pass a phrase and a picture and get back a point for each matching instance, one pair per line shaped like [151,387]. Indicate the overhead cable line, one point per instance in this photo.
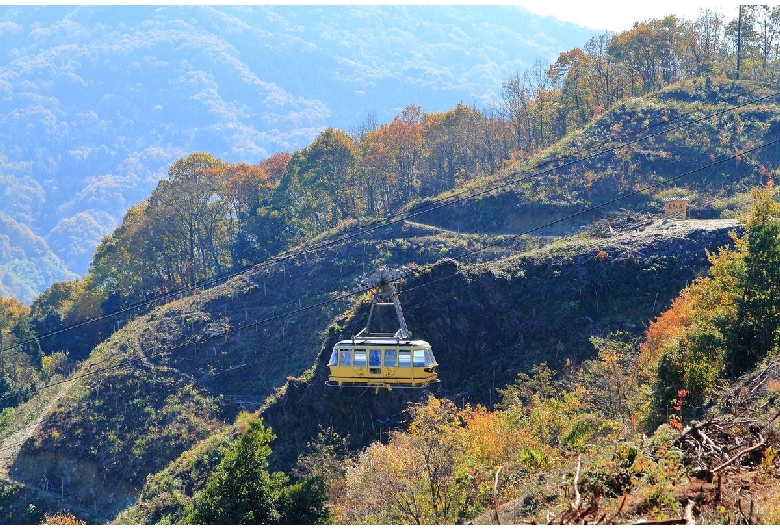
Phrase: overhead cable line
[393,219]
[638,191]
[418,271]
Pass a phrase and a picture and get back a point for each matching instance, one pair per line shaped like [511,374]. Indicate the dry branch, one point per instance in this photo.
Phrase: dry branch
[712,446]
[495,497]
[741,454]
[687,517]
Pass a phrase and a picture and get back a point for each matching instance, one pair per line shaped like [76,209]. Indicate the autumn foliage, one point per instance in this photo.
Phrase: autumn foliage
[723,324]
[453,463]
[62,519]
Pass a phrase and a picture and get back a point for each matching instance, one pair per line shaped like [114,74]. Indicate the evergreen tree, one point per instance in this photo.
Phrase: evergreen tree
[758,307]
[242,491]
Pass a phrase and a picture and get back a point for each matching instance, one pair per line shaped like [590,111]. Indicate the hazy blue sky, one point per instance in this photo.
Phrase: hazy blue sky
[596,14]
[620,16]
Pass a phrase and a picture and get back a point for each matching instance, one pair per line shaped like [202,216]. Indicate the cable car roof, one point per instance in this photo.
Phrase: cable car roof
[389,340]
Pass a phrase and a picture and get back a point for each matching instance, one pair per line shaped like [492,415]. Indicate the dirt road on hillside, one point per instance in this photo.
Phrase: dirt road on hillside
[12,444]
[627,237]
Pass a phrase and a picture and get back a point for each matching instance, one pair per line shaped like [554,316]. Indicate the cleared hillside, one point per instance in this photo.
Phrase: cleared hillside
[494,302]
[175,376]
[486,322]
[711,141]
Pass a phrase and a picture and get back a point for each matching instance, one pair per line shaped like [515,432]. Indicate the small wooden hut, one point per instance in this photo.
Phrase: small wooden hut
[675,207]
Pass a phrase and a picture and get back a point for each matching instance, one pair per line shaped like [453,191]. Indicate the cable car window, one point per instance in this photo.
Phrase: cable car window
[390,357]
[334,358]
[345,358]
[375,357]
[419,357]
[404,358]
[360,357]
[429,358]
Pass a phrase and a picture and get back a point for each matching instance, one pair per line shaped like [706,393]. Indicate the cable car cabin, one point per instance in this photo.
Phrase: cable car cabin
[376,358]
[387,361]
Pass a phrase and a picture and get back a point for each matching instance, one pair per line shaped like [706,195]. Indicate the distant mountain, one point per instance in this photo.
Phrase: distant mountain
[27,265]
[97,102]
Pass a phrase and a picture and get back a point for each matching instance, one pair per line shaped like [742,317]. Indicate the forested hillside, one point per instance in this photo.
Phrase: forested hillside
[97,102]
[579,334]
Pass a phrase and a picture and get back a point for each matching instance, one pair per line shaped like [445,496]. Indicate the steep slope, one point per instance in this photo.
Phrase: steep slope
[486,322]
[497,305]
[688,139]
[12,444]
[177,375]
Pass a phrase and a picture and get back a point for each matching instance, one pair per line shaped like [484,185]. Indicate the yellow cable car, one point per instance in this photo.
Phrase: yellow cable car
[376,359]
[388,362]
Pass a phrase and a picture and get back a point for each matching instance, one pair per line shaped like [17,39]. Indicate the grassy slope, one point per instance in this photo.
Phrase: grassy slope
[486,321]
[629,158]
[185,370]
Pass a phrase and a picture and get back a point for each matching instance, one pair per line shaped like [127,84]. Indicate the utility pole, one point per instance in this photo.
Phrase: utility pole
[739,41]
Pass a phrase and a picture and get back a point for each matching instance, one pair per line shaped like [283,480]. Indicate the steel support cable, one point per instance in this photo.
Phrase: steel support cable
[416,272]
[127,362]
[393,219]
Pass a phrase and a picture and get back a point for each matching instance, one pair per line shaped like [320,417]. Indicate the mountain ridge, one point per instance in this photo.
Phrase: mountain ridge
[99,101]
[529,266]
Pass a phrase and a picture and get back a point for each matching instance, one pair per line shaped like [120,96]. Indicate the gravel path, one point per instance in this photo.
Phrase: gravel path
[12,444]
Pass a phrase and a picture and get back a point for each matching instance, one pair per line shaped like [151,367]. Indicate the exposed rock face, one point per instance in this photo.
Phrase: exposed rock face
[488,315]
[488,321]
